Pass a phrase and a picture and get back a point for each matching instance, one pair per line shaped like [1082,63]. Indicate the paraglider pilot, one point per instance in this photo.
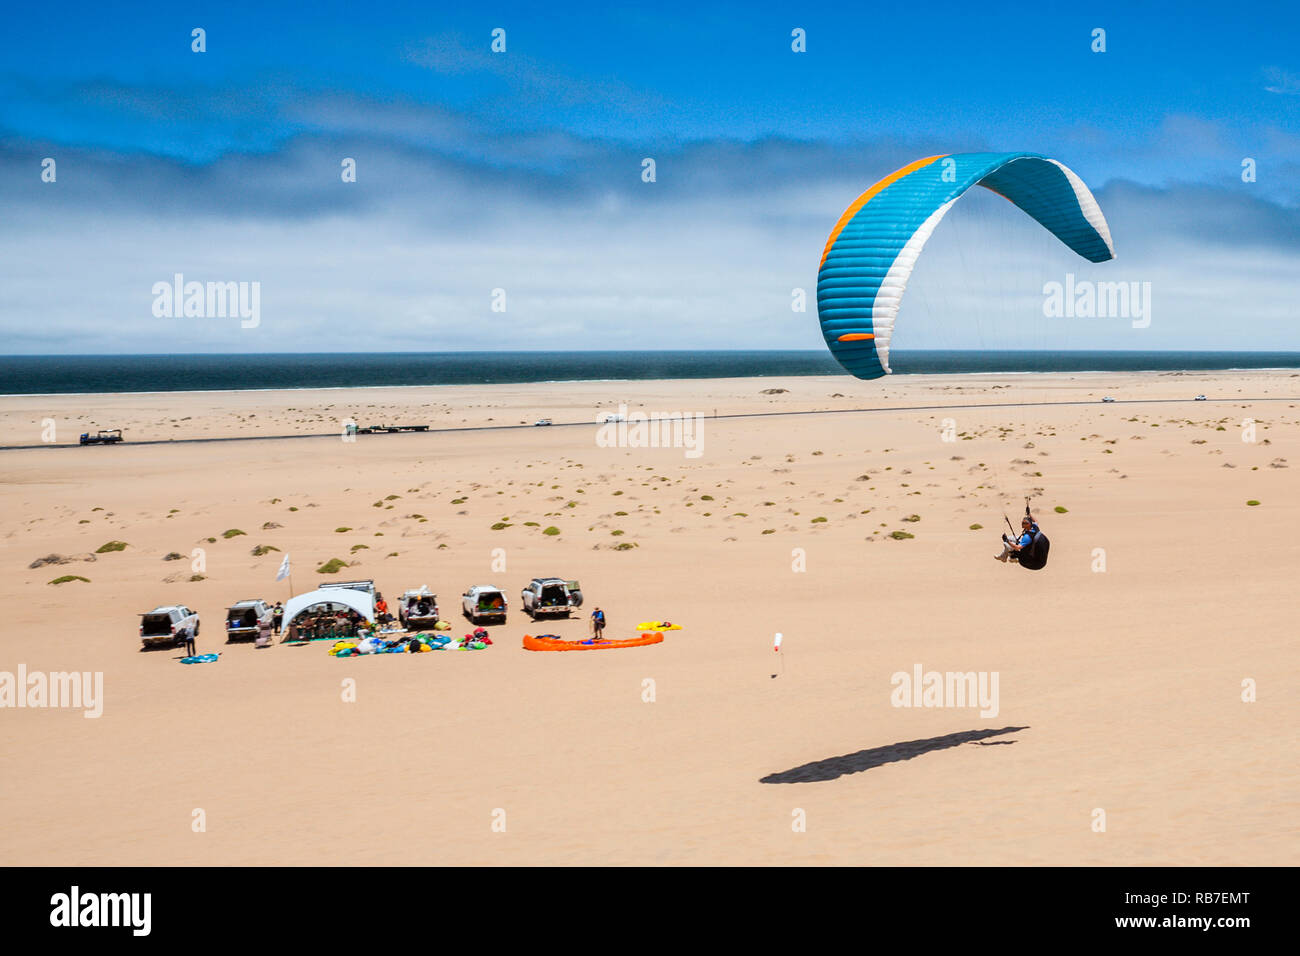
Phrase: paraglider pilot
[1011,549]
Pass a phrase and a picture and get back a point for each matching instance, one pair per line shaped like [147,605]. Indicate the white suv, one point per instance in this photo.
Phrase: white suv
[547,597]
[484,604]
[243,619]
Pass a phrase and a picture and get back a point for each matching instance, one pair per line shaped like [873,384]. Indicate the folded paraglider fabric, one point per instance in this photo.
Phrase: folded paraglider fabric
[552,642]
[200,659]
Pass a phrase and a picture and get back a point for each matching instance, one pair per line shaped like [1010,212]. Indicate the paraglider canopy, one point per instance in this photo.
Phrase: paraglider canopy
[875,244]
[360,601]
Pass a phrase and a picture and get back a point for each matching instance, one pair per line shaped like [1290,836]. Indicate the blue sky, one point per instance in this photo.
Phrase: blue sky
[522,170]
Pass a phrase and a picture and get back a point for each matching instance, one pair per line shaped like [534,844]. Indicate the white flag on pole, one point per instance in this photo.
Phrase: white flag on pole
[284,569]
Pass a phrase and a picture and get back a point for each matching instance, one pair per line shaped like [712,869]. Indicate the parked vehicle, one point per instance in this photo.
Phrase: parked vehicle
[244,617]
[367,586]
[169,624]
[575,593]
[418,609]
[484,604]
[110,437]
[547,597]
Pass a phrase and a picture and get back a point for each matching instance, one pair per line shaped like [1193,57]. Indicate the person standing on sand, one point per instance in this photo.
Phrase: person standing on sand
[278,614]
[598,623]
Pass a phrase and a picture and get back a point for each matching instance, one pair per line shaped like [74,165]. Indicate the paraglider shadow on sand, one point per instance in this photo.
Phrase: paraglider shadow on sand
[832,767]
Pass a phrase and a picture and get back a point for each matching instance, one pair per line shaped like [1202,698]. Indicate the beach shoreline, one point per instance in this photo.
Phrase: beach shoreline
[230,413]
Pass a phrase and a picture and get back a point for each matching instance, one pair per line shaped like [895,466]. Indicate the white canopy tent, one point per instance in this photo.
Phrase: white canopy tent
[359,601]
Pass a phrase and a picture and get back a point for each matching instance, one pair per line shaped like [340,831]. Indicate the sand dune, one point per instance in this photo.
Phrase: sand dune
[852,534]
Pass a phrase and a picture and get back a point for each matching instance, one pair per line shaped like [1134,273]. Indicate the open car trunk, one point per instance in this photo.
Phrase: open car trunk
[241,621]
[156,625]
[553,599]
[421,614]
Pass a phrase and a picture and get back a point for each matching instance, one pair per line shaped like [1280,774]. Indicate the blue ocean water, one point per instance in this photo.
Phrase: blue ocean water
[52,374]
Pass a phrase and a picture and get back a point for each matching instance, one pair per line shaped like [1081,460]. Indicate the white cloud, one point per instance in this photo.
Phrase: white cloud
[589,256]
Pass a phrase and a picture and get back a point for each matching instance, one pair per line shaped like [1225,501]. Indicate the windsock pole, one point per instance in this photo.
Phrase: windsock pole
[776,647]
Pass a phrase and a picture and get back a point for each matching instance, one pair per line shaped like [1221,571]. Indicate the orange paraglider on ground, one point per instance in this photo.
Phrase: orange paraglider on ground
[551,642]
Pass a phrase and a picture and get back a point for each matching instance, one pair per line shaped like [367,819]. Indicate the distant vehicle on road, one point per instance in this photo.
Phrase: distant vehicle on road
[389,429]
[110,437]
[543,421]
[1200,398]
[1108,399]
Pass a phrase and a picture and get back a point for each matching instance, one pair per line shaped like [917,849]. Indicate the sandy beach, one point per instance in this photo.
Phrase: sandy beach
[1121,667]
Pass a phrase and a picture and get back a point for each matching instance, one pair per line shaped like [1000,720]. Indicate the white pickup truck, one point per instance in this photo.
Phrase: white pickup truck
[169,624]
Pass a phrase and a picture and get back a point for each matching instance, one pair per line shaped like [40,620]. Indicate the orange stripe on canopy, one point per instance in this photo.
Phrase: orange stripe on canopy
[867,196]
[855,336]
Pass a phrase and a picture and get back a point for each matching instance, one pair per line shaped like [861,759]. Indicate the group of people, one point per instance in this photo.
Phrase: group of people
[326,624]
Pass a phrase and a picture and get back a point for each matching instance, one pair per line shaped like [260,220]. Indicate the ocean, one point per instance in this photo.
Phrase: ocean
[54,374]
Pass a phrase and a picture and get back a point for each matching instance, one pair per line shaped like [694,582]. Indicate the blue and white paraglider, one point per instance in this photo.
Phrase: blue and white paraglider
[874,246]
